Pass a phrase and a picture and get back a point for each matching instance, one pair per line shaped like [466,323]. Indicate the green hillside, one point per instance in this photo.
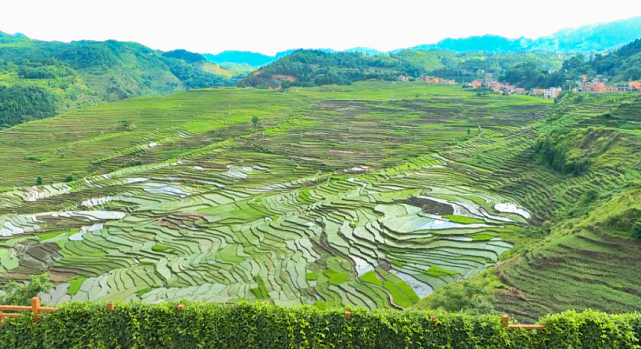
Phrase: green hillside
[374,194]
[39,79]
[315,68]
[620,66]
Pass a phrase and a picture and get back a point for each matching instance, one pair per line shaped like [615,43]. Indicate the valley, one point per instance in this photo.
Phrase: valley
[372,195]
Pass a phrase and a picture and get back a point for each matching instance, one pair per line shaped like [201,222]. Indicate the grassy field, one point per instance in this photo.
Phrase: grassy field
[372,194]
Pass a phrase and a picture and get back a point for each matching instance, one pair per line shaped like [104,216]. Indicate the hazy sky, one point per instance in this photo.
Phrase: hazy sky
[269,26]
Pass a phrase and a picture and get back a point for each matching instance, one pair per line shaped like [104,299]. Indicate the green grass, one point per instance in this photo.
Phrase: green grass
[436,271]
[336,277]
[463,220]
[370,277]
[162,248]
[75,283]
[47,236]
[260,292]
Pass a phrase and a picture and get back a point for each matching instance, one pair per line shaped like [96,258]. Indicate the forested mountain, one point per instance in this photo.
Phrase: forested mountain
[589,38]
[313,68]
[595,37]
[622,65]
[40,79]
[242,57]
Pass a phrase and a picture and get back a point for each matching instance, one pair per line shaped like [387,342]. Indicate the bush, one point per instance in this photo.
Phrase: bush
[21,294]
[260,325]
[464,296]
[68,178]
[636,230]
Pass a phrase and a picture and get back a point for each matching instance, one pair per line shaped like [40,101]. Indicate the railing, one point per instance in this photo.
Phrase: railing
[37,309]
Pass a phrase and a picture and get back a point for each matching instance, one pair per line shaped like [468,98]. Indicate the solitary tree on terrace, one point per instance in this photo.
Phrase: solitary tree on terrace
[255,120]
[636,231]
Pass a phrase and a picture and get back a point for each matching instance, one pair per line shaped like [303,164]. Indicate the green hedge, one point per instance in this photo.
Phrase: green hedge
[260,325]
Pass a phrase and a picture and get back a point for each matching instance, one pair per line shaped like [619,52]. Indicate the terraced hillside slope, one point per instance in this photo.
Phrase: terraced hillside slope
[373,194]
[336,196]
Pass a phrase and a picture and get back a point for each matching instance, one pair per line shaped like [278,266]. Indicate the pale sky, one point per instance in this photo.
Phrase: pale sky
[269,26]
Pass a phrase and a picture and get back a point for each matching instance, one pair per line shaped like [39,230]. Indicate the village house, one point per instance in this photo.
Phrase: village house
[552,92]
[474,84]
[434,80]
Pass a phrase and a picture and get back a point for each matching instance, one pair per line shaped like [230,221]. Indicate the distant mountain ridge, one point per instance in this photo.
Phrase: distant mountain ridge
[593,37]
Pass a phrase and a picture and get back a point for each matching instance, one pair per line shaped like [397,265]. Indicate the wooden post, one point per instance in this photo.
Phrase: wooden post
[110,306]
[348,315]
[505,320]
[35,307]
[180,307]
[433,317]
[1,316]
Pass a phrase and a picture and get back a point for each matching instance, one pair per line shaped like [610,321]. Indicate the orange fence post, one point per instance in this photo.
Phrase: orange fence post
[180,307]
[35,307]
[433,317]
[348,314]
[110,306]
[505,320]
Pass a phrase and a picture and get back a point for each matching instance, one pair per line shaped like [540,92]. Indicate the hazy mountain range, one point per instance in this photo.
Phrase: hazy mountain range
[594,37]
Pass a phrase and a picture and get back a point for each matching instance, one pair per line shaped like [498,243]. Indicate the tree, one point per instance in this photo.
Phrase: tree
[68,178]
[636,230]
[21,294]
[460,297]
[39,180]
[255,120]
[469,131]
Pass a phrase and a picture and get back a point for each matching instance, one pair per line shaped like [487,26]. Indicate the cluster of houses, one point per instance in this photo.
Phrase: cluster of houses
[504,88]
[428,79]
[596,85]
[433,80]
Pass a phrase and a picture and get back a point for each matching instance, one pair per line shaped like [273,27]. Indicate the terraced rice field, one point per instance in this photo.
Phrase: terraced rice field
[371,195]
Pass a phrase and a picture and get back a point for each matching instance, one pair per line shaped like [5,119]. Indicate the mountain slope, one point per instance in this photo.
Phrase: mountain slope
[622,65]
[241,57]
[313,68]
[595,37]
[54,77]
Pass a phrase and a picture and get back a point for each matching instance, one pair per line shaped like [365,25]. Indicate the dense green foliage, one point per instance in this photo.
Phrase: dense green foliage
[20,294]
[636,232]
[622,65]
[19,104]
[465,297]
[314,68]
[39,79]
[247,326]
[552,151]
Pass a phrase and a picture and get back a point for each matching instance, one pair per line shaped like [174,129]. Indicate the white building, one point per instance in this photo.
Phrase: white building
[551,92]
